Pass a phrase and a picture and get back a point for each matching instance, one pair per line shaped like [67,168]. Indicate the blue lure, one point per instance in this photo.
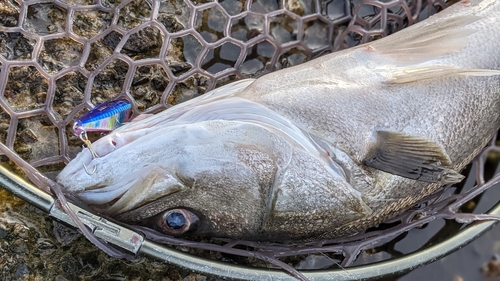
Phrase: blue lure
[104,117]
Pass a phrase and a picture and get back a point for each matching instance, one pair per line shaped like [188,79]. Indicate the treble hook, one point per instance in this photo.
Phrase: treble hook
[85,139]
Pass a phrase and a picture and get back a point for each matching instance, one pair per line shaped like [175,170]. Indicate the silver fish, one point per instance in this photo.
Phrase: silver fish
[323,149]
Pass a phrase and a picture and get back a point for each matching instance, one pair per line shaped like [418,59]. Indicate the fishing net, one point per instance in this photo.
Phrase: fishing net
[60,58]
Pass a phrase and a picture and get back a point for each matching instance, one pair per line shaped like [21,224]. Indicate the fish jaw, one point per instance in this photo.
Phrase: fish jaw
[72,178]
[76,179]
[146,184]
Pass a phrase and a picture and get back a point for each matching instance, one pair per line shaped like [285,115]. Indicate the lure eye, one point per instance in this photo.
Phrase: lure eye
[113,142]
[177,221]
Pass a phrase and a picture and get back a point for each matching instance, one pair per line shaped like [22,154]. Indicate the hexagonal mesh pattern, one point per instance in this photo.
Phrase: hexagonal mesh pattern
[60,58]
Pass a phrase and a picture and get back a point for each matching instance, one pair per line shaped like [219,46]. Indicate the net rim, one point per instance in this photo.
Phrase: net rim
[44,201]
[381,269]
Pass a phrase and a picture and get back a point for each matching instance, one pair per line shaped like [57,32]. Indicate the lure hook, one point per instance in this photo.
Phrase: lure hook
[86,141]
[87,171]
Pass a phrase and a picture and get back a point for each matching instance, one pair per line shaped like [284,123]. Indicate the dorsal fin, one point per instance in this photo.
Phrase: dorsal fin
[428,42]
[412,53]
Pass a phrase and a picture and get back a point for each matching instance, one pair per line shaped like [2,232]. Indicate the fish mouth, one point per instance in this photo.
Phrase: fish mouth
[132,191]
[102,194]
[73,176]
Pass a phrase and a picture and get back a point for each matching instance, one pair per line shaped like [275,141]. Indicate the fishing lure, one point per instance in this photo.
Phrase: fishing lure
[103,118]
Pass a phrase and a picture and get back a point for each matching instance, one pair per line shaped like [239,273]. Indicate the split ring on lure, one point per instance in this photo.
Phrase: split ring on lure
[88,143]
[103,118]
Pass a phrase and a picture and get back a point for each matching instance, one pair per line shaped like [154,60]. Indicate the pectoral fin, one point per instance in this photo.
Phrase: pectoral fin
[411,157]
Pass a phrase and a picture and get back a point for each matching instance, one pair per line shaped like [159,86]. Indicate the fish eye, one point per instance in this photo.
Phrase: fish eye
[176,221]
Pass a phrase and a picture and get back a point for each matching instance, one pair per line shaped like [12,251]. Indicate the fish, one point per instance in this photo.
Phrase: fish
[324,149]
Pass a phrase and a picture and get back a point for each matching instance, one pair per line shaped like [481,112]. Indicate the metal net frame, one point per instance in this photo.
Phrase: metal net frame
[60,58]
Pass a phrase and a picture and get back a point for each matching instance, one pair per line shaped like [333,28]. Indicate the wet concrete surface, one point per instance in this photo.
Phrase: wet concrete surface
[33,247]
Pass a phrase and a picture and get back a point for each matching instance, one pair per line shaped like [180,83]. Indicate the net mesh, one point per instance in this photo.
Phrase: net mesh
[60,58]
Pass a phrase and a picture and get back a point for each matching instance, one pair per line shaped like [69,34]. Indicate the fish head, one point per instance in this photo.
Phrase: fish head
[212,178]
